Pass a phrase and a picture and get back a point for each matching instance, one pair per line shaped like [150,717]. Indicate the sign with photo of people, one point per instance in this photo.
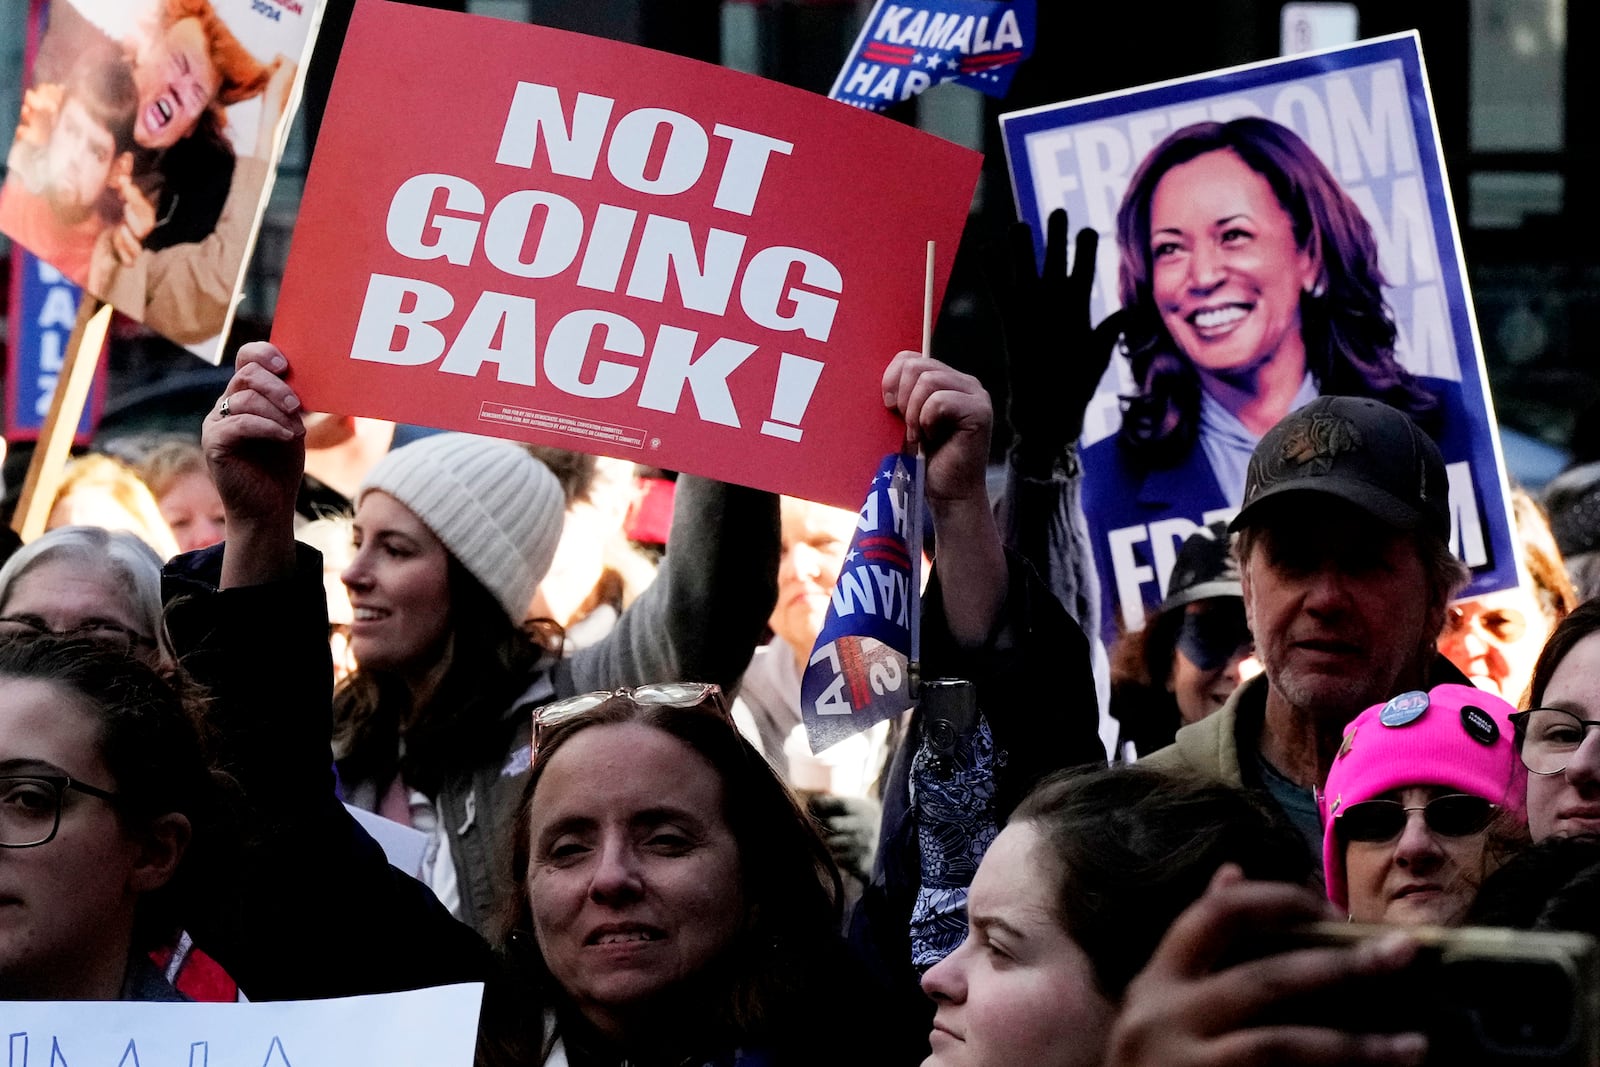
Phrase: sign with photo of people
[1270,233]
[146,146]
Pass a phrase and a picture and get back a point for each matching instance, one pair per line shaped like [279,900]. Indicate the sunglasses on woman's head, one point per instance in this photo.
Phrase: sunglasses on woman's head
[659,695]
[1454,815]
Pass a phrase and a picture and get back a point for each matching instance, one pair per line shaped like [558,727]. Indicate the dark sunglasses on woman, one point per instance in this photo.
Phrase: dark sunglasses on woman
[1453,815]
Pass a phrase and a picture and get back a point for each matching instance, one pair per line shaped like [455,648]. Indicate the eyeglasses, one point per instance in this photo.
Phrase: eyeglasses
[1548,737]
[1504,625]
[30,807]
[661,694]
[1454,815]
[103,631]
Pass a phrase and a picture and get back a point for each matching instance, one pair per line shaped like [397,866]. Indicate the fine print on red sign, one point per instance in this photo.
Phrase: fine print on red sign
[597,246]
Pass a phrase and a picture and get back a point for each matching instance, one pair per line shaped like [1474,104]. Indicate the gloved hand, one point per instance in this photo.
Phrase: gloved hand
[1055,360]
[850,829]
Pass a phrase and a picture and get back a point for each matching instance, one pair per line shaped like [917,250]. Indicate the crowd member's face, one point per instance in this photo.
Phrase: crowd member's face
[177,81]
[1202,688]
[399,583]
[1496,639]
[193,509]
[77,162]
[633,876]
[1339,605]
[66,907]
[1019,990]
[1567,804]
[63,597]
[815,540]
[1418,877]
[1226,273]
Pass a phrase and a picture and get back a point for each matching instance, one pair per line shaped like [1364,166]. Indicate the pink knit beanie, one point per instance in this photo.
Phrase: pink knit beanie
[1452,735]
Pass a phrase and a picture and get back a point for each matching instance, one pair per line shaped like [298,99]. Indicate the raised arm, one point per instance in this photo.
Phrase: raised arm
[249,622]
[949,414]
[1055,362]
[706,611]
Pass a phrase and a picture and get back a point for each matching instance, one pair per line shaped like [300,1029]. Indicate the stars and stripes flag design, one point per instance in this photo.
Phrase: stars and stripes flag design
[906,47]
[858,673]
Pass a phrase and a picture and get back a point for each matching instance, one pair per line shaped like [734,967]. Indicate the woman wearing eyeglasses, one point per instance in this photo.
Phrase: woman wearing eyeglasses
[103,784]
[1424,799]
[84,581]
[1556,738]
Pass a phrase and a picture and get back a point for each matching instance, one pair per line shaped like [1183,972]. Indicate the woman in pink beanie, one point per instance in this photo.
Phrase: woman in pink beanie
[1423,799]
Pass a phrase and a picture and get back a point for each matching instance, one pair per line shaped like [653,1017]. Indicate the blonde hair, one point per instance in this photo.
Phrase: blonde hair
[170,462]
[96,473]
[1552,586]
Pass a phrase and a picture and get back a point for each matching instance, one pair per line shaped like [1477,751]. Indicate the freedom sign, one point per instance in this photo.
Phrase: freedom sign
[1347,250]
[596,246]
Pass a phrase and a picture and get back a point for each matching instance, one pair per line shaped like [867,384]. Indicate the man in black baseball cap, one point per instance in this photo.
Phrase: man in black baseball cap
[1343,546]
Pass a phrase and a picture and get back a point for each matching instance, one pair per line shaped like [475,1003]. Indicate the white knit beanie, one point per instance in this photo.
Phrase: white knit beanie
[496,508]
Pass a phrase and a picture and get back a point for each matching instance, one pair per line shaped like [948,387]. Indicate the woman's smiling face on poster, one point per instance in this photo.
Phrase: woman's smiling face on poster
[1227,272]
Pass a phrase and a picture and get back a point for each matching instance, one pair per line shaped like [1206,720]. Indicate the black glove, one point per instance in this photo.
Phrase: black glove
[1054,358]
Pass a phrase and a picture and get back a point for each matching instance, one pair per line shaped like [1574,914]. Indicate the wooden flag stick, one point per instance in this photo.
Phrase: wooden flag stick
[916,509]
[66,411]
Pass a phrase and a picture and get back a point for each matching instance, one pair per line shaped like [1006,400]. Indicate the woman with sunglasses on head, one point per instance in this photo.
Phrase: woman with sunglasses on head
[104,783]
[678,905]
[1423,801]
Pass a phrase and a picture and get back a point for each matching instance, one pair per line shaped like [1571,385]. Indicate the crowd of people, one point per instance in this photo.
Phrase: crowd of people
[226,652]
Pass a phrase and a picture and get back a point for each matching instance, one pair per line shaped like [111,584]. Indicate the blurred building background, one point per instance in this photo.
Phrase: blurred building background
[1516,103]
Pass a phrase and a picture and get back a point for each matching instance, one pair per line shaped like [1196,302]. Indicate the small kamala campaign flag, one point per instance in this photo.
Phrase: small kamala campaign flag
[857,675]
[906,47]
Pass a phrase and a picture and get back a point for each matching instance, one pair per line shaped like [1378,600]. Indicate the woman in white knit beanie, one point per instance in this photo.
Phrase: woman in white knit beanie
[452,535]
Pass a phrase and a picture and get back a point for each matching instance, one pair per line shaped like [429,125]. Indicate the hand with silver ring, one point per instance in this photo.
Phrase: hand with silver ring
[255,449]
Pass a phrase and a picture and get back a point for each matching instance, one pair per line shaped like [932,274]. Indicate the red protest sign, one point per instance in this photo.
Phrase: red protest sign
[539,235]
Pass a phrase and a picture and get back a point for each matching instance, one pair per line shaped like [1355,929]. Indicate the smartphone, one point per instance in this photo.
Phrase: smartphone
[949,709]
[1483,996]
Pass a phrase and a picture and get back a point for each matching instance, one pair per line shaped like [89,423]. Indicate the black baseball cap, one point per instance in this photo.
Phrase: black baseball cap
[1360,450]
[1204,568]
